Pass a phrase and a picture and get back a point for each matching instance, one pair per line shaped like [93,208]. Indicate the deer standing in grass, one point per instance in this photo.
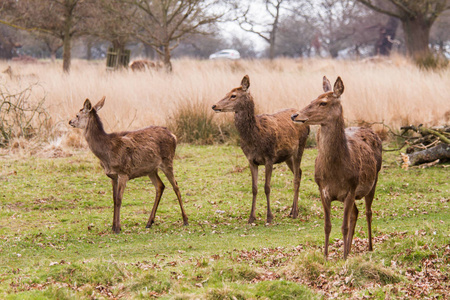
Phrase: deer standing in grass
[130,154]
[266,140]
[347,163]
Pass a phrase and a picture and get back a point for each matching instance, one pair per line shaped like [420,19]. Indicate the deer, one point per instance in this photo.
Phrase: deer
[266,140]
[347,163]
[144,64]
[128,155]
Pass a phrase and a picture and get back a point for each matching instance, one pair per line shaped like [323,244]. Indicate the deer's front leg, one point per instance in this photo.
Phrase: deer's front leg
[119,185]
[326,203]
[115,225]
[254,171]
[349,204]
[269,168]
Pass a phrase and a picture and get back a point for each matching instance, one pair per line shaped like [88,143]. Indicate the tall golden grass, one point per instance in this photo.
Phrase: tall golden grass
[393,91]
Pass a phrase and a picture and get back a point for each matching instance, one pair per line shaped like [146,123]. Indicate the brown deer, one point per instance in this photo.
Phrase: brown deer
[347,163]
[144,64]
[266,140]
[130,154]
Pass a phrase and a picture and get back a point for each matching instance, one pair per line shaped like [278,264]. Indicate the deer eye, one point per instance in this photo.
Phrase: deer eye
[233,96]
[323,103]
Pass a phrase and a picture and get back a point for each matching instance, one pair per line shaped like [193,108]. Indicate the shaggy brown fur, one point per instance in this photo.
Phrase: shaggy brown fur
[347,163]
[143,64]
[266,140]
[130,154]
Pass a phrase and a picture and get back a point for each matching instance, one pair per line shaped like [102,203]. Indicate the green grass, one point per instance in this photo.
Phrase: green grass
[56,240]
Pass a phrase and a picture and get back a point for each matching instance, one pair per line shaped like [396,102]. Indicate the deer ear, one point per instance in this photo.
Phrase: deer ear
[326,84]
[87,106]
[338,87]
[99,104]
[245,83]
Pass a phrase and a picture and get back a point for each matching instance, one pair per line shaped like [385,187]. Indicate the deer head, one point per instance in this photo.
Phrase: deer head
[325,107]
[235,98]
[81,120]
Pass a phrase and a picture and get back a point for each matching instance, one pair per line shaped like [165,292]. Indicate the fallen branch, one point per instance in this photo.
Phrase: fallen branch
[439,152]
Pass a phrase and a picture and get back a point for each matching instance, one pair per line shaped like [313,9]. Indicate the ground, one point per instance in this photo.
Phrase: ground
[56,240]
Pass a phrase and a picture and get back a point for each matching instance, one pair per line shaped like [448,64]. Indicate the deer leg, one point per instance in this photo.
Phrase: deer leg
[348,207]
[254,171]
[269,168]
[119,189]
[353,219]
[115,226]
[168,171]
[368,199]
[159,186]
[294,165]
[326,203]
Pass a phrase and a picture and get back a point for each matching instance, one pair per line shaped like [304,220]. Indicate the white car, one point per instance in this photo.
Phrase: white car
[225,54]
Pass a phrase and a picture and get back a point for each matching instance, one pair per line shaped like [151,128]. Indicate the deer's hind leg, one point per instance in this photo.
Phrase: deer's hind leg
[159,186]
[168,171]
[369,199]
[294,165]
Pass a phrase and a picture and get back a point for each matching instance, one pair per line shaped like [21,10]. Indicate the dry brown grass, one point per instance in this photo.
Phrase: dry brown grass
[393,91]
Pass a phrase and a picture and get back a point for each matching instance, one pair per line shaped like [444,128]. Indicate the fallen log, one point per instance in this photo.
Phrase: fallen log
[440,151]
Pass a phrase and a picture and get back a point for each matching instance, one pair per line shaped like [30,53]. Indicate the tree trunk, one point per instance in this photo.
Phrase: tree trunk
[89,50]
[67,43]
[417,35]
[66,53]
[166,58]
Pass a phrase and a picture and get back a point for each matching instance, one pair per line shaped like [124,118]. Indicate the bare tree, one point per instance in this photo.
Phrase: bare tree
[250,19]
[161,24]
[59,18]
[417,18]
[343,24]
[110,20]
[296,37]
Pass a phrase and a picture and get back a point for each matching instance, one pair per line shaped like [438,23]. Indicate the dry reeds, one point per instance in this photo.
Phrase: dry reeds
[393,91]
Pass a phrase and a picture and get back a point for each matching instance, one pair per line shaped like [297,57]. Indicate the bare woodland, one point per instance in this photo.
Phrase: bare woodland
[164,28]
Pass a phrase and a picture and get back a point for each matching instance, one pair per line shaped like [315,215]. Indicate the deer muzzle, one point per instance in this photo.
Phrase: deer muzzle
[214,107]
[294,118]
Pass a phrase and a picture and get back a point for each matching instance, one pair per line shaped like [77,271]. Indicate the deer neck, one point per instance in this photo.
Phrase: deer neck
[332,145]
[245,121]
[96,137]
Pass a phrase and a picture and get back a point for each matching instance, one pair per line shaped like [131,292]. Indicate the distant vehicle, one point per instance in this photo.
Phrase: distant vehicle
[225,54]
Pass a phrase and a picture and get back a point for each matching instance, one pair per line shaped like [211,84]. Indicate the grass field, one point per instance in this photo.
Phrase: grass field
[56,209]
[56,240]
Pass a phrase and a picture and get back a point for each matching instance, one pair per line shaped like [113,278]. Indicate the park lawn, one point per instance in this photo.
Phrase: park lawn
[56,240]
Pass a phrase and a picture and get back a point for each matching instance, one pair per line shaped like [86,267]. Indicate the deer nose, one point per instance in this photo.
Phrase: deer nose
[214,106]
[294,116]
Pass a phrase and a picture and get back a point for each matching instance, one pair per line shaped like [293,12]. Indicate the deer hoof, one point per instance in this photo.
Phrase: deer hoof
[293,214]
[251,220]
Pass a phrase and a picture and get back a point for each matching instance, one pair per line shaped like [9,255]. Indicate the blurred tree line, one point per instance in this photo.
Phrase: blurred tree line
[162,29]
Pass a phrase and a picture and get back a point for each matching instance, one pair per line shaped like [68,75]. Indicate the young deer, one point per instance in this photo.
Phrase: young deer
[266,140]
[130,154]
[347,163]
